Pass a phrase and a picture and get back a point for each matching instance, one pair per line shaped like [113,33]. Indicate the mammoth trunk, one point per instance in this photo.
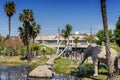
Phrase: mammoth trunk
[83,58]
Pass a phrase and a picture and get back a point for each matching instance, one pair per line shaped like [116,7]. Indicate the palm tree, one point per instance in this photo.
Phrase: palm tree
[9,8]
[22,34]
[66,33]
[107,43]
[26,17]
[76,40]
[35,30]
[1,41]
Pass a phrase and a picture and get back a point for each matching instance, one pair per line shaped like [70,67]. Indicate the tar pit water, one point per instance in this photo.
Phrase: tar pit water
[21,73]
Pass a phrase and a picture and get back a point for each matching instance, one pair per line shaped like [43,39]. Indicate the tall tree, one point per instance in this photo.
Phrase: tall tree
[76,40]
[1,41]
[117,32]
[22,35]
[35,30]
[100,36]
[27,17]
[107,43]
[9,8]
[66,33]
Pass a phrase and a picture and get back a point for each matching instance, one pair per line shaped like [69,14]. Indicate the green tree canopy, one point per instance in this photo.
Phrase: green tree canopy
[66,32]
[9,8]
[22,35]
[0,38]
[34,30]
[1,41]
[76,40]
[101,37]
[117,32]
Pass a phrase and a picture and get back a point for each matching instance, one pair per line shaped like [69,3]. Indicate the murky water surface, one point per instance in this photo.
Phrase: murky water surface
[21,72]
[13,72]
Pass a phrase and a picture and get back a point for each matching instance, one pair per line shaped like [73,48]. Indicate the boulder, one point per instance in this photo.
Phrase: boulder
[41,72]
[82,70]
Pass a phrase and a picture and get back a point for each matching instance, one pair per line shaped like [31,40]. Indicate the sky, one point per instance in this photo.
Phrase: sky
[83,15]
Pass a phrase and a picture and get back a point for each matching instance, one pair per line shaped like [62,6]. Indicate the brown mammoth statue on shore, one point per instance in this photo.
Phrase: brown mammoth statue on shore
[98,54]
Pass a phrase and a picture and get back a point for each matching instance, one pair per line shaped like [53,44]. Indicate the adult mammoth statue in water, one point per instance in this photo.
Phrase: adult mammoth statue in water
[98,54]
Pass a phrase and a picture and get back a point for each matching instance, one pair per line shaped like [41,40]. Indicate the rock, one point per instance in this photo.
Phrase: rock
[82,70]
[41,71]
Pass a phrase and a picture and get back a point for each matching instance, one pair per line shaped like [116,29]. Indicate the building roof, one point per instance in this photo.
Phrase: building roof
[51,37]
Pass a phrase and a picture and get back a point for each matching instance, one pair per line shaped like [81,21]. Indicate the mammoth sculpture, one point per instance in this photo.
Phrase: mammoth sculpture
[98,54]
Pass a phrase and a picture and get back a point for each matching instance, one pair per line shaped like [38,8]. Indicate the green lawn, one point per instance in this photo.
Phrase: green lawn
[66,66]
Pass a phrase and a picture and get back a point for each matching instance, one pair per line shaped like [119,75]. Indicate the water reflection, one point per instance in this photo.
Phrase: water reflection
[59,77]
[13,72]
[21,72]
[62,77]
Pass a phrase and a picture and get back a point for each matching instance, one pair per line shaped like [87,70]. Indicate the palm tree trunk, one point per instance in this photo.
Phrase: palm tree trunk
[107,43]
[27,43]
[9,29]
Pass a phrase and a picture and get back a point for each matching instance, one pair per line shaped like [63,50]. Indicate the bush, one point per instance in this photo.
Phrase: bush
[3,52]
[116,48]
[34,46]
[34,64]
[48,50]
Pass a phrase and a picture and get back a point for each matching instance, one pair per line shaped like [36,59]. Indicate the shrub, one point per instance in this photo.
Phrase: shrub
[34,64]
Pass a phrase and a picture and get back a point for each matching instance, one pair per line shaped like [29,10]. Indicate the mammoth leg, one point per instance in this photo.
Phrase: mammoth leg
[98,65]
[116,65]
[95,63]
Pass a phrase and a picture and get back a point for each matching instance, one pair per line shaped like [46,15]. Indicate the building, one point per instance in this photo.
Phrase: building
[49,40]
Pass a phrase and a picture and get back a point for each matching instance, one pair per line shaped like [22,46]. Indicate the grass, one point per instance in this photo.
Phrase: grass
[16,60]
[38,61]
[12,60]
[102,73]
[63,65]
